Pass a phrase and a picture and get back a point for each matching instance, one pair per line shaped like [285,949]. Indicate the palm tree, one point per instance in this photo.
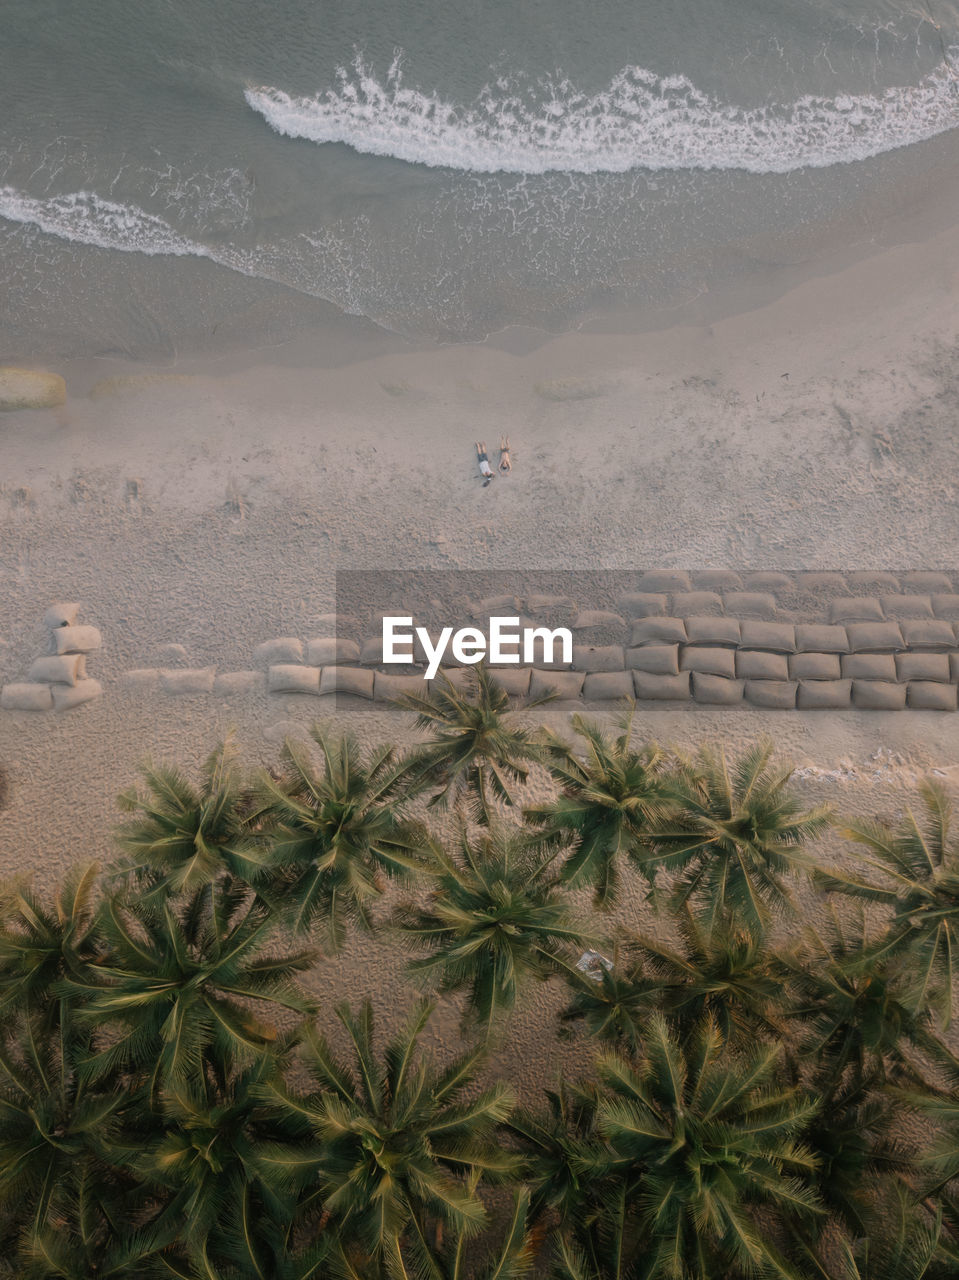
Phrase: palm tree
[510,1258]
[713,1139]
[477,753]
[230,1167]
[39,947]
[336,832]
[492,921]
[177,984]
[738,831]
[919,862]
[859,1015]
[402,1148]
[613,1004]
[723,973]
[184,836]
[609,800]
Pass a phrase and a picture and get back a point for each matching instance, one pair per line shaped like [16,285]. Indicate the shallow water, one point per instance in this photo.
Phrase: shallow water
[441,169]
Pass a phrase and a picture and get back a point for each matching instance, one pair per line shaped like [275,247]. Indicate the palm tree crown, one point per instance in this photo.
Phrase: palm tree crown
[738,831]
[335,832]
[608,803]
[492,920]
[477,752]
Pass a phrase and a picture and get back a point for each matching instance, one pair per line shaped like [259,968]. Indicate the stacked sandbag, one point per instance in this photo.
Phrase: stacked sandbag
[58,680]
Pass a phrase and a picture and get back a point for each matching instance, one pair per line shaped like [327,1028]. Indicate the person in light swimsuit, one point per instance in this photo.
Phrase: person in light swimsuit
[504,461]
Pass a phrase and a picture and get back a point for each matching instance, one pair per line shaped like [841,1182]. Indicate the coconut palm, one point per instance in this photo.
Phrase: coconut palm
[738,831]
[492,921]
[402,1147]
[40,946]
[478,753]
[177,983]
[859,1015]
[184,836]
[714,1139]
[610,796]
[511,1257]
[336,832]
[724,973]
[229,1166]
[613,1004]
[919,863]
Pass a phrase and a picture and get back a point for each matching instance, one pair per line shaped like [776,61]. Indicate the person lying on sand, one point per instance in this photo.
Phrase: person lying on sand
[504,462]
[486,471]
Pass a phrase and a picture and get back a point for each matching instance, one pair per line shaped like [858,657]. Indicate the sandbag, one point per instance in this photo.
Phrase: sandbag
[928,633]
[764,580]
[922,666]
[946,606]
[26,697]
[717,580]
[172,655]
[814,666]
[66,669]
[141,679]
[690,604]
[665,580]
[660,659]
[649,687]
[371,652]
[777,637]
[643,604]
[926,696]
[61,615]
[954,666]
[924,581]
[234,684]
[874,637]
[76,639]
[878,695]
[823,695]
[197,680]
[356,681]
[753,664]
[592,657]
[30,389]
[65,697]
[897,607]
[387,688]
[856,609]
[286,677]
[657,631]
[513,680]
[777,695]
[539,655]
[716,662]
[326,652]
[563,684]
[333,624]
[817,637]
[713,630]
[608,686]
[284,649]
[870,666]
[717,690]
[750,604]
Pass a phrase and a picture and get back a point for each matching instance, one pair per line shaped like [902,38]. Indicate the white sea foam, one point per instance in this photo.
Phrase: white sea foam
[85,218]
[641,120]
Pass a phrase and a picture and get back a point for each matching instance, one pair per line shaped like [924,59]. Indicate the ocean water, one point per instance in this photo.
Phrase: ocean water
[171,170]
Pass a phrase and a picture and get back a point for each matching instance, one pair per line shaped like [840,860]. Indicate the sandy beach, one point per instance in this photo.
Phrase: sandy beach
[208,503]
